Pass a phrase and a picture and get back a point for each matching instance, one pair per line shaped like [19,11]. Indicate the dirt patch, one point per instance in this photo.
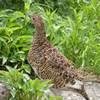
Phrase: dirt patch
[90,77]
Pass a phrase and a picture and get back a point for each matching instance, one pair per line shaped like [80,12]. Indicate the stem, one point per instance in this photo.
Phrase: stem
[26,96]
[4,48]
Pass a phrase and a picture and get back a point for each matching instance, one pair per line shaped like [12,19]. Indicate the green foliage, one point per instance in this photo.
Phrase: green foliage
[72,26]
[5,3]
[23,88]
[14,35]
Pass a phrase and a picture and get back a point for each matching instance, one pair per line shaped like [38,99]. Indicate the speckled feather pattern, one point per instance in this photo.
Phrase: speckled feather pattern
[47,61]
[51,64]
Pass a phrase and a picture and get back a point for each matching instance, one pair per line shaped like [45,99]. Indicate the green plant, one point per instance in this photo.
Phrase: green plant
[13,36]
[77,38]
[5,3]
[22,87]
[72,26]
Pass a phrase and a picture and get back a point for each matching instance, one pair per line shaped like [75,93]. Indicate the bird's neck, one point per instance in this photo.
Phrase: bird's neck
[39,37]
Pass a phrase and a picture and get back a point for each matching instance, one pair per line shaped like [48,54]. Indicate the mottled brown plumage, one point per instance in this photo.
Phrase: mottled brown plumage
[49,63]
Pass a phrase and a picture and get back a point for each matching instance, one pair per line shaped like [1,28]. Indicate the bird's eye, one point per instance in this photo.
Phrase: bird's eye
[33,18]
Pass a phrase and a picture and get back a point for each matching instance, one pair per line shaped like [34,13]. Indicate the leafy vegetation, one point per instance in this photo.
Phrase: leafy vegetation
[72,26]
[23,88]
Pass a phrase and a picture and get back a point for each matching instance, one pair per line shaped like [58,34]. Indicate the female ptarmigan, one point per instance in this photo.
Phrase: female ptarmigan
[49,63]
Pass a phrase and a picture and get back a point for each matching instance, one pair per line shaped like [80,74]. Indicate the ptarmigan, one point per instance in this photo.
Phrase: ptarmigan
[49,63]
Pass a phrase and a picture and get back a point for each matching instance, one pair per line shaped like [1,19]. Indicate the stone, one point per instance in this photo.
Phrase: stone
[4,92]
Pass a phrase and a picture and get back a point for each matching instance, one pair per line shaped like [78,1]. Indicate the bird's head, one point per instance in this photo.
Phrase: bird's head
[37,20]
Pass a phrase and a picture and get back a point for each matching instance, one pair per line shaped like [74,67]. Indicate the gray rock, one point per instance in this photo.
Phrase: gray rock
[4,92]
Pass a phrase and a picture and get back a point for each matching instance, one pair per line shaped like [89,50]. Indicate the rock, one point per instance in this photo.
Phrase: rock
[4,92]
[90,83]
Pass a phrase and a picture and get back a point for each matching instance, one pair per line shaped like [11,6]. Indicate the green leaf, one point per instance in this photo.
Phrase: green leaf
[16,40]
[16,15]
[15,28]
[27,5]
[70,20]
[13,60]
[4,60]
[6,10]
[54,41]
[56,27]
[12,71]
[45,88]
[27,68]
[79,18]
[1,39]
[44,83]
[83,24]
[93,7]
[15,25]
[25,76]
[12,19]
[52,14]
[36,83]
[99,24]
[21,83]
[5,73]
[20,52]
[13,92]
[56,97]
[22,57]
[19,13]
[76,51]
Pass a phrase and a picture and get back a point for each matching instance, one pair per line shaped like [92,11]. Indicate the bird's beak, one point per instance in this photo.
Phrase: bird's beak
[29,16]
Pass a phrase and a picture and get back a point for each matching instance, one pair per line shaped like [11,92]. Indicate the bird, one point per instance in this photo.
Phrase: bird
[49,64]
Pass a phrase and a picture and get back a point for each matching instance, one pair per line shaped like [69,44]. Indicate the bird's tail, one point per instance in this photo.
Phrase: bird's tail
[83,93]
